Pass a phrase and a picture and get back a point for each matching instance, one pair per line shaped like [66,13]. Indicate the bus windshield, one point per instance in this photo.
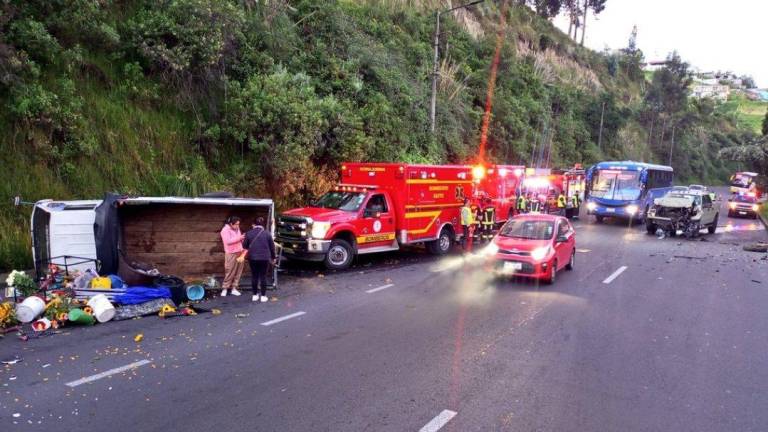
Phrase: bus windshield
[347,201]
[617,185]
[741,180]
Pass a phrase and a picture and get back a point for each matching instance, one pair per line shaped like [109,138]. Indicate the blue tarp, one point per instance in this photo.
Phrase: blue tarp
[139,294]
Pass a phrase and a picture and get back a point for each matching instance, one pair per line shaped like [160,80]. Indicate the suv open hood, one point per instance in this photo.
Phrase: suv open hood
[676,202]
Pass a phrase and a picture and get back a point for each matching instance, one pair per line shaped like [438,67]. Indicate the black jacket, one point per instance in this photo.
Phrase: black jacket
[260,245]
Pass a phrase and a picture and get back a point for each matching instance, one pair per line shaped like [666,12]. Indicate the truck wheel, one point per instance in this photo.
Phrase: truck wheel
[442,245]
[339,256]
[712,228]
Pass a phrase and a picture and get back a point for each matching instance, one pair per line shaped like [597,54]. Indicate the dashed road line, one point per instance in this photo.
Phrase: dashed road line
[383,287]
[283,318]
[439,421]
[614,275]
[107,373]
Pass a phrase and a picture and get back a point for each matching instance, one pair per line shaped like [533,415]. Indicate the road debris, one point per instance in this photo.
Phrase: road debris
[689,257]
[13,360]
[242,315]
[756,247]
[138,338]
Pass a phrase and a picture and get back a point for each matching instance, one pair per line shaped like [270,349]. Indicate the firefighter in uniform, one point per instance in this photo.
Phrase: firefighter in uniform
[467,221]
[534,206]
[522,204]
[575,204]
[489,220]
[561,204]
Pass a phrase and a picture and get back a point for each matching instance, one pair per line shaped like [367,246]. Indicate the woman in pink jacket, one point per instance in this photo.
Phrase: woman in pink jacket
[233,247]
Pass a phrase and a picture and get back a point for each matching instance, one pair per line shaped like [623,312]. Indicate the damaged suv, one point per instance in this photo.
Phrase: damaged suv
[687,211]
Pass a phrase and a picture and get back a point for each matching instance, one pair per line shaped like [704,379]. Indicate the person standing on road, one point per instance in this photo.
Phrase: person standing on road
[489,219]
[522,204]
[233,247]
[561,204]
[260,249]
[467,221]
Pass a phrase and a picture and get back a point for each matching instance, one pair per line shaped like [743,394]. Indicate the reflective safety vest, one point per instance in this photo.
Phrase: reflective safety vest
[575,201]
[489,214]
[561,201]
[535,206]
[466,216]
[521,203]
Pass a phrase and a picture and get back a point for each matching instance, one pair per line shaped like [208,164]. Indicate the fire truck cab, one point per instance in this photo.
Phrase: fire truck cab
[378,207]
[500,184]
[546,185]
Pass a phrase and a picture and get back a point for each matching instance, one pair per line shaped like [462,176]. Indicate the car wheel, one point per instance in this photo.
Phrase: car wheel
[339,256]
[599,219]
[712,228]
[552,273]
[572,263]
[442,245]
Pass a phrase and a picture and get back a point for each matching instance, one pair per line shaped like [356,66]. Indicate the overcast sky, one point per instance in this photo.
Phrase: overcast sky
[711,35]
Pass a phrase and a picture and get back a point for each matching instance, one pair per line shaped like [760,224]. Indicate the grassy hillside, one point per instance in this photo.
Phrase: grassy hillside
[748,112]
[180,97]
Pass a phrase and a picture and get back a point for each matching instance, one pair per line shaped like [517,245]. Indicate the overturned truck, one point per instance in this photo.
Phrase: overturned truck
[687,212]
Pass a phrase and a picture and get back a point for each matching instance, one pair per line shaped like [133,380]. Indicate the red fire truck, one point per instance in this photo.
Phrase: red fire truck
[500,183]
[547,184]
[378,207]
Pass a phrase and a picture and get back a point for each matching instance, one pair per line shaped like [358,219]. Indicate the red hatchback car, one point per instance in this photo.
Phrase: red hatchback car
[535,246]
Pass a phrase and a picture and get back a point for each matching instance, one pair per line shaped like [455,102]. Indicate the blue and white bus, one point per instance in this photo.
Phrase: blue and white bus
[625,189]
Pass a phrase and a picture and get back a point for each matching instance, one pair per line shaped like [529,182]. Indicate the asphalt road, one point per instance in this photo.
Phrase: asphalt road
[676,342]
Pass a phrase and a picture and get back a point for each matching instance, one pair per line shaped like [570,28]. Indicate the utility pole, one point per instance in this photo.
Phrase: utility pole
[436,59]
[600,134]
[672,145]
[433,103]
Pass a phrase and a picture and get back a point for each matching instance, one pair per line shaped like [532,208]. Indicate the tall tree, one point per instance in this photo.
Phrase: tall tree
[597,6]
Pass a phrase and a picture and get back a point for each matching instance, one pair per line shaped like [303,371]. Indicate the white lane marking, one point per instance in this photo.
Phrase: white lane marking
[584,250]
[614,275]
[283,318]
[105,374]
[383,287]
[439,421]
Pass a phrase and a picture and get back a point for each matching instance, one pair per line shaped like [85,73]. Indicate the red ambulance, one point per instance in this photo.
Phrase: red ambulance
[378,207]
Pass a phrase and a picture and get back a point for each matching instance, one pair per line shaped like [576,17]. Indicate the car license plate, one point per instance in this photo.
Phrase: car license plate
[610,210]
[513,266]
[742,213]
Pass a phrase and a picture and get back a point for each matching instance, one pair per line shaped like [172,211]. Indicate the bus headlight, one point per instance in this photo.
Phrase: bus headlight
[538,254]
[591,206]
[320,229]
[631,209]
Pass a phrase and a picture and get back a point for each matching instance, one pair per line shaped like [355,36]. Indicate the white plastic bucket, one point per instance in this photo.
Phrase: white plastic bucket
[30,309]
[103,310]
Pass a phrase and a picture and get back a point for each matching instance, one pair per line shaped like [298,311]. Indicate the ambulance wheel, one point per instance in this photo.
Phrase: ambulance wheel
[339,256]
[442,245]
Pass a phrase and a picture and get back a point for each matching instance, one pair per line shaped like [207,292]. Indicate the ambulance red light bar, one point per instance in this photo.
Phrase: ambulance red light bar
[478,172]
